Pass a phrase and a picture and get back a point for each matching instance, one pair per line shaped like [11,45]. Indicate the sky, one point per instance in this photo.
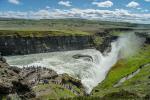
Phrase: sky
[137,11]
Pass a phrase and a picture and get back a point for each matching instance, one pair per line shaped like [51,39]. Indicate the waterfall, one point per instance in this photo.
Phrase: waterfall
[89,72]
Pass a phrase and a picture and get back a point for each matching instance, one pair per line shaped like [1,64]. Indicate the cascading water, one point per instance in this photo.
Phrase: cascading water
[89,72]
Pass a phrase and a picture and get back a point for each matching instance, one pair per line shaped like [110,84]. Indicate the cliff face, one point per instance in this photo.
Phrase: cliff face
[27,45]
[14,44]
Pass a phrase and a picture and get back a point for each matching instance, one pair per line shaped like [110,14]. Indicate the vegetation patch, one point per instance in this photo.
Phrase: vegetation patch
[121,69]
[42,33]
[52,91]
[98,40]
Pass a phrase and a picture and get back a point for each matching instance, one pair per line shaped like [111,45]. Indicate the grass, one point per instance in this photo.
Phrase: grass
[82,25]
[52,91]
[42,33]
[121,69]
[63,27]
[140,83]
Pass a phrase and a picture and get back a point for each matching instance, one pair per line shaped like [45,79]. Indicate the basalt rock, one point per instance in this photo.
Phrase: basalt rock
[16,45]
[12,45]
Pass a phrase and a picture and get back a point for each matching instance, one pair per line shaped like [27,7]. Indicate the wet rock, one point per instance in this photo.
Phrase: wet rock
[78,56]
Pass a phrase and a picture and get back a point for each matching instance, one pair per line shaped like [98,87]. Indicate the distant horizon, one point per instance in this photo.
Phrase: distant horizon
[133,11]
[100,20]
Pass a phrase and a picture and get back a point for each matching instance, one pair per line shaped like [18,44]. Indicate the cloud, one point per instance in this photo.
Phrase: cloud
[65,3]
[41,14]
[132,4]
[96,14]
[14,2]
[147,0]
[144,10]
[103,4]
[47,7]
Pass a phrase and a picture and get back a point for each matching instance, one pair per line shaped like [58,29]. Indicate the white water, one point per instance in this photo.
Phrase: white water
[90,73]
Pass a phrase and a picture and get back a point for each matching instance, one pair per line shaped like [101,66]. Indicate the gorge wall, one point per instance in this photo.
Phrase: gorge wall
[27,45]
[18,45]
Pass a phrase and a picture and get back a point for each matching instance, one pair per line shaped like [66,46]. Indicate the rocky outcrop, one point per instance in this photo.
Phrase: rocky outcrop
[12,84]
[18,83]
[40,75]
[36,75]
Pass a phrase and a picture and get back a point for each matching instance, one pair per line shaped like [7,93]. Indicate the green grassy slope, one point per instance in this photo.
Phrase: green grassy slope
[123,68]
[42,33]
[52,91]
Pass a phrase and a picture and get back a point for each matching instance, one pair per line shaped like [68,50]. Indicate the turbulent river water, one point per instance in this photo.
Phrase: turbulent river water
[90,72]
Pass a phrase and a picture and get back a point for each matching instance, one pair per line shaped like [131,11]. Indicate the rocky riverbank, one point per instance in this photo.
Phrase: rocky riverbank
[12,84]
[27,83]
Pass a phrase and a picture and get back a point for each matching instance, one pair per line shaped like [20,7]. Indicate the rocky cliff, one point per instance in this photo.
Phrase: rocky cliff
[18,45]
[11,45]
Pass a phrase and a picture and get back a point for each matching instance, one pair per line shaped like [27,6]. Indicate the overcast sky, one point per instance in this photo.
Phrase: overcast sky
[137,11]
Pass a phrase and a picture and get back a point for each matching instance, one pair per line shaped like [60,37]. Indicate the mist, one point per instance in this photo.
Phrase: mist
[129,44]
